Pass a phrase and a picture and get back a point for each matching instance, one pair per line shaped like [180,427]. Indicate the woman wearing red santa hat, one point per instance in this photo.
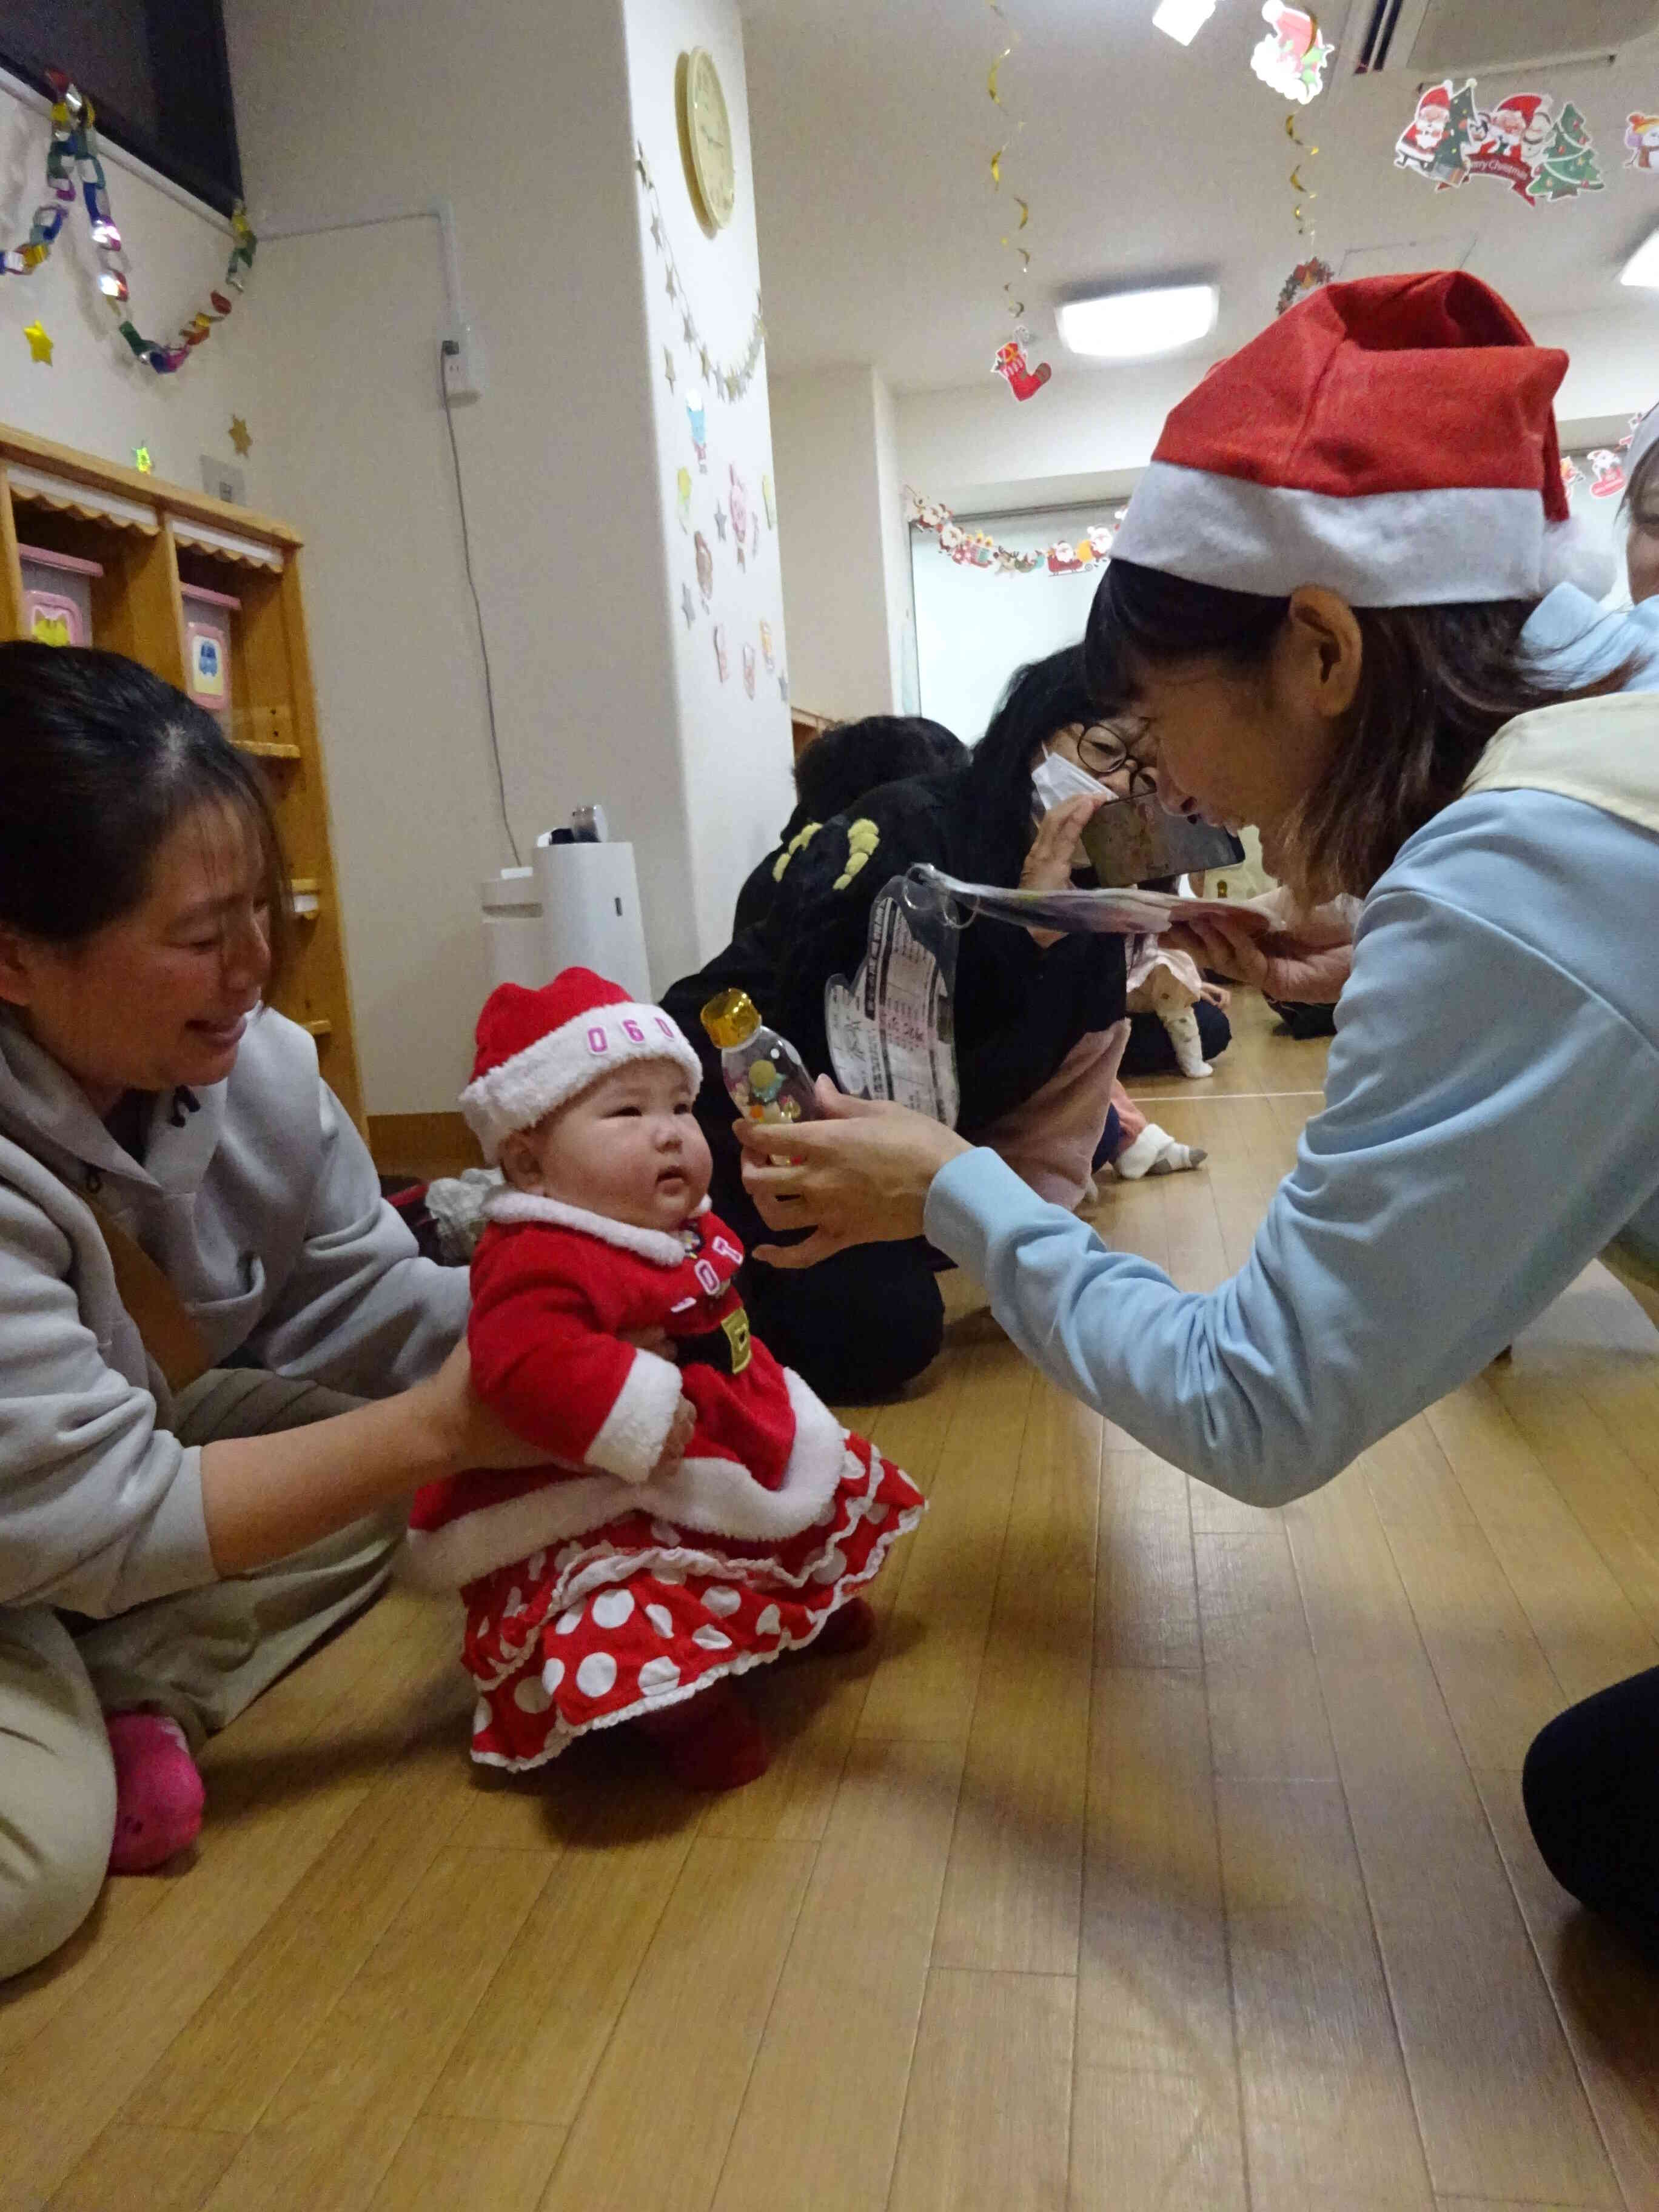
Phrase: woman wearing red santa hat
[704,1512]
[1341,602]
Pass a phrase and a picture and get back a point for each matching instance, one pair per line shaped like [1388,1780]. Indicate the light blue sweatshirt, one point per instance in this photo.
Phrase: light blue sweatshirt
[1490,1124]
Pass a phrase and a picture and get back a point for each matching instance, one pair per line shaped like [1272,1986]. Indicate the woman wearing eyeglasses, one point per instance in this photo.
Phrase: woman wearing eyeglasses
[1039,1019]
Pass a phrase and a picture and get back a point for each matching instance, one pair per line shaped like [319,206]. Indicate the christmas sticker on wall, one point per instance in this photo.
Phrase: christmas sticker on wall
[683,497]
[1520,143]
[769,503]
[705,567]
[740,503]
[749,670]
[1568,165]
[1436,142]
[766,643]
[696,416]
[1641,137]
[1291,60]
[1022,379]
[721,659]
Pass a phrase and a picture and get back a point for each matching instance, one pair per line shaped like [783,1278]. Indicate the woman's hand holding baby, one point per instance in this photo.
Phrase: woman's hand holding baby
[679,1435]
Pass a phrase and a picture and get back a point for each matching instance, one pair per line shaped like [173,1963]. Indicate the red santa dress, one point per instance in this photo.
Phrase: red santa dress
[595,1592]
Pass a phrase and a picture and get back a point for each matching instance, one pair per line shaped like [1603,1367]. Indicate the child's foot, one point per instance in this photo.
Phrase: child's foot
[158,1792]
[712,1741]
[849,1628]
[1155,1151]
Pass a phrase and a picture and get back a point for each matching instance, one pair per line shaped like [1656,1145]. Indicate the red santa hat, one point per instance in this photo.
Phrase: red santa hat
[1523,106]
[1393,440]
[538,1048]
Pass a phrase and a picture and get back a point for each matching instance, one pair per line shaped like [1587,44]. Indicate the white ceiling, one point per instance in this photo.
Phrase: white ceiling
[1140,159]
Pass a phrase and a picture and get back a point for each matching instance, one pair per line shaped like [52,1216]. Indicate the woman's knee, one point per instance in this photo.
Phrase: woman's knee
[56,1821]
[1590,1787]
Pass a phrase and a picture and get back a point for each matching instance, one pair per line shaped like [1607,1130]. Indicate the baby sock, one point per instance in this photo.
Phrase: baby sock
[158,1792]
[850,1628]
[1182,1027]
[1155,1151]
[712,1741]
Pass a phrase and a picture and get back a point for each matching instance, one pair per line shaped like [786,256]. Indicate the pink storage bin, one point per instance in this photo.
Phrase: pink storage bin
[57,596]
[207,646]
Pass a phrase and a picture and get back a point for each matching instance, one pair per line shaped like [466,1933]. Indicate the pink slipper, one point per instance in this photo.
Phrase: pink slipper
[158,1792]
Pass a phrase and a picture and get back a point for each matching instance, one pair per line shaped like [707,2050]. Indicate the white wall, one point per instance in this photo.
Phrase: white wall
[735,751]
[840,521]
[523,117]
[94,394]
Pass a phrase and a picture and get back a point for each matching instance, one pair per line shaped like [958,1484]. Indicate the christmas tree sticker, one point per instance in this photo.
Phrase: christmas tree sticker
[1450,163]
[1568,166]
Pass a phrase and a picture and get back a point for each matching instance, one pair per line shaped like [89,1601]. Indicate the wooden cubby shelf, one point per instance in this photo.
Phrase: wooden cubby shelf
[144,560]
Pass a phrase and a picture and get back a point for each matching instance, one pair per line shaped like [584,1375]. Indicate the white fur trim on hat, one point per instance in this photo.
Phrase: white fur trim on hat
[717,1496]
[524,1089]
[1396,549]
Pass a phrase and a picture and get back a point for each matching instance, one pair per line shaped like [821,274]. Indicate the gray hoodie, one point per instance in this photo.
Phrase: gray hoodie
[259,1202]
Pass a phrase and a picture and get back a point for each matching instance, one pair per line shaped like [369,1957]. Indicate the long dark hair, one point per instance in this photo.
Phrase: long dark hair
[99,761]
[1042,697]
[850,758]
[1437,683]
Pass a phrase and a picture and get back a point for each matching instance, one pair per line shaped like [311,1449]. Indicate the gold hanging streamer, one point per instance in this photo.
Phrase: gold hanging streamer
[1010,40]
[1306,224]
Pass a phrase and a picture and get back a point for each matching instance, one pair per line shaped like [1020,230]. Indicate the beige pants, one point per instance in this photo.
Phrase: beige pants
[202,1657]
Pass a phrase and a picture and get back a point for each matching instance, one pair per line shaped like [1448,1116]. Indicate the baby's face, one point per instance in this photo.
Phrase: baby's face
[629,1148]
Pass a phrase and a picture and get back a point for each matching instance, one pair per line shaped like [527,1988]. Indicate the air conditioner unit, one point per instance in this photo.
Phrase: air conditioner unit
[1426,39]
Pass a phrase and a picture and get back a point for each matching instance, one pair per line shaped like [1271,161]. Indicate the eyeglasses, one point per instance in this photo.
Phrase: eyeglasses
[1116,754]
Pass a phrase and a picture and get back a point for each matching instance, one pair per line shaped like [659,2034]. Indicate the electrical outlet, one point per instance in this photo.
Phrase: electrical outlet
[223,480]
[460,365]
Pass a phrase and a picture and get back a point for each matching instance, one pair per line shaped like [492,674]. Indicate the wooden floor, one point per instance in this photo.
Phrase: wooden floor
[1167,1854]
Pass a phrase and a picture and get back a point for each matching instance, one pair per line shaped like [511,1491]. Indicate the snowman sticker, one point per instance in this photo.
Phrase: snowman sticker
[1641,137]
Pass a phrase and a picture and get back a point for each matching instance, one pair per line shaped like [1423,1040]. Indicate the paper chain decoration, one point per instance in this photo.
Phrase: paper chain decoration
[72,161]
[977,548]
[730,383]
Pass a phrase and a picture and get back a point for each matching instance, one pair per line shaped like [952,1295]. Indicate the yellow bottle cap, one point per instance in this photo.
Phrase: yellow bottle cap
[731,1019]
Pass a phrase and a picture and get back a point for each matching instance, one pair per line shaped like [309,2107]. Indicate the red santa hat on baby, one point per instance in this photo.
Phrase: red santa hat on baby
[538,1048]
[1393,440]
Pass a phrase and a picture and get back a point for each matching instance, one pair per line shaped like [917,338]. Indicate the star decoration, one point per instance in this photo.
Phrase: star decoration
[674,289]
[656,232]
[720,522]
[39,343]
[705,363]
[642,165]
[668,366]
[783,687]
[688,605]
[690,328]
[238,435]
[142,461]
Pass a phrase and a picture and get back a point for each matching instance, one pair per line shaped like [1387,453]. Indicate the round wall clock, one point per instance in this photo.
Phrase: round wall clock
[706,139]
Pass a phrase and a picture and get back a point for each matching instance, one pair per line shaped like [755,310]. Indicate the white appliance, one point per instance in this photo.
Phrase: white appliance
[1427,39]
[577,907]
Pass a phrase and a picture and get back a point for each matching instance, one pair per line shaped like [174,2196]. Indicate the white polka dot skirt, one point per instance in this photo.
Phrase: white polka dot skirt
[641,1614]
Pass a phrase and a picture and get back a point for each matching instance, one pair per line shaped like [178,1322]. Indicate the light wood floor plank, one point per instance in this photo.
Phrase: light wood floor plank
[820,2122]
[1587,1627]
[465,2166]
[1606,1995]
[329,2137]
[655,2126]
[528,2051]
[281,1786]
[1155,2115]
[147,2169]
[1328,2110]
[1497,2097]
[1013,1888]
[929,1675]
[1266,1709]
[990,2093]
[1145,1597]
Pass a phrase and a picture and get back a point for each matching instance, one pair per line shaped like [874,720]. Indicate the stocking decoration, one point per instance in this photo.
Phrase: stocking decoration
[1022,379]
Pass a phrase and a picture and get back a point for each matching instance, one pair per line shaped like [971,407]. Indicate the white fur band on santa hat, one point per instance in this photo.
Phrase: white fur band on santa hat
[522,1091]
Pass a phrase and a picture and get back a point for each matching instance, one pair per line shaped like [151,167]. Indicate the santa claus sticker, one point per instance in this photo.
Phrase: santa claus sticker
[1436,142]
[1521,142]
[1517,131]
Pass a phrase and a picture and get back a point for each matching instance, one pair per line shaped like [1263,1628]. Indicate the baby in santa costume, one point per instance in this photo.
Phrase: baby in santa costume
[702,1511]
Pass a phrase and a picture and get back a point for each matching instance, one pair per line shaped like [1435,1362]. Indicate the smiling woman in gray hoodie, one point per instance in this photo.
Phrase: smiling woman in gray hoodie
[200,1287]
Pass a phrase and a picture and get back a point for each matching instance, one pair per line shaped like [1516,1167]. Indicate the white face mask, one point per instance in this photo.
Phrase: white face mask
[1055,779]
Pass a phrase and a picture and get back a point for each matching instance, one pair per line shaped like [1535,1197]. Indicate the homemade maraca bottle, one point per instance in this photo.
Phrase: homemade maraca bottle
[763,1071]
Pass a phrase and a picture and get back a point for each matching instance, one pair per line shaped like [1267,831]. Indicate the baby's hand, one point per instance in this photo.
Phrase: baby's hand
[679,1435]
